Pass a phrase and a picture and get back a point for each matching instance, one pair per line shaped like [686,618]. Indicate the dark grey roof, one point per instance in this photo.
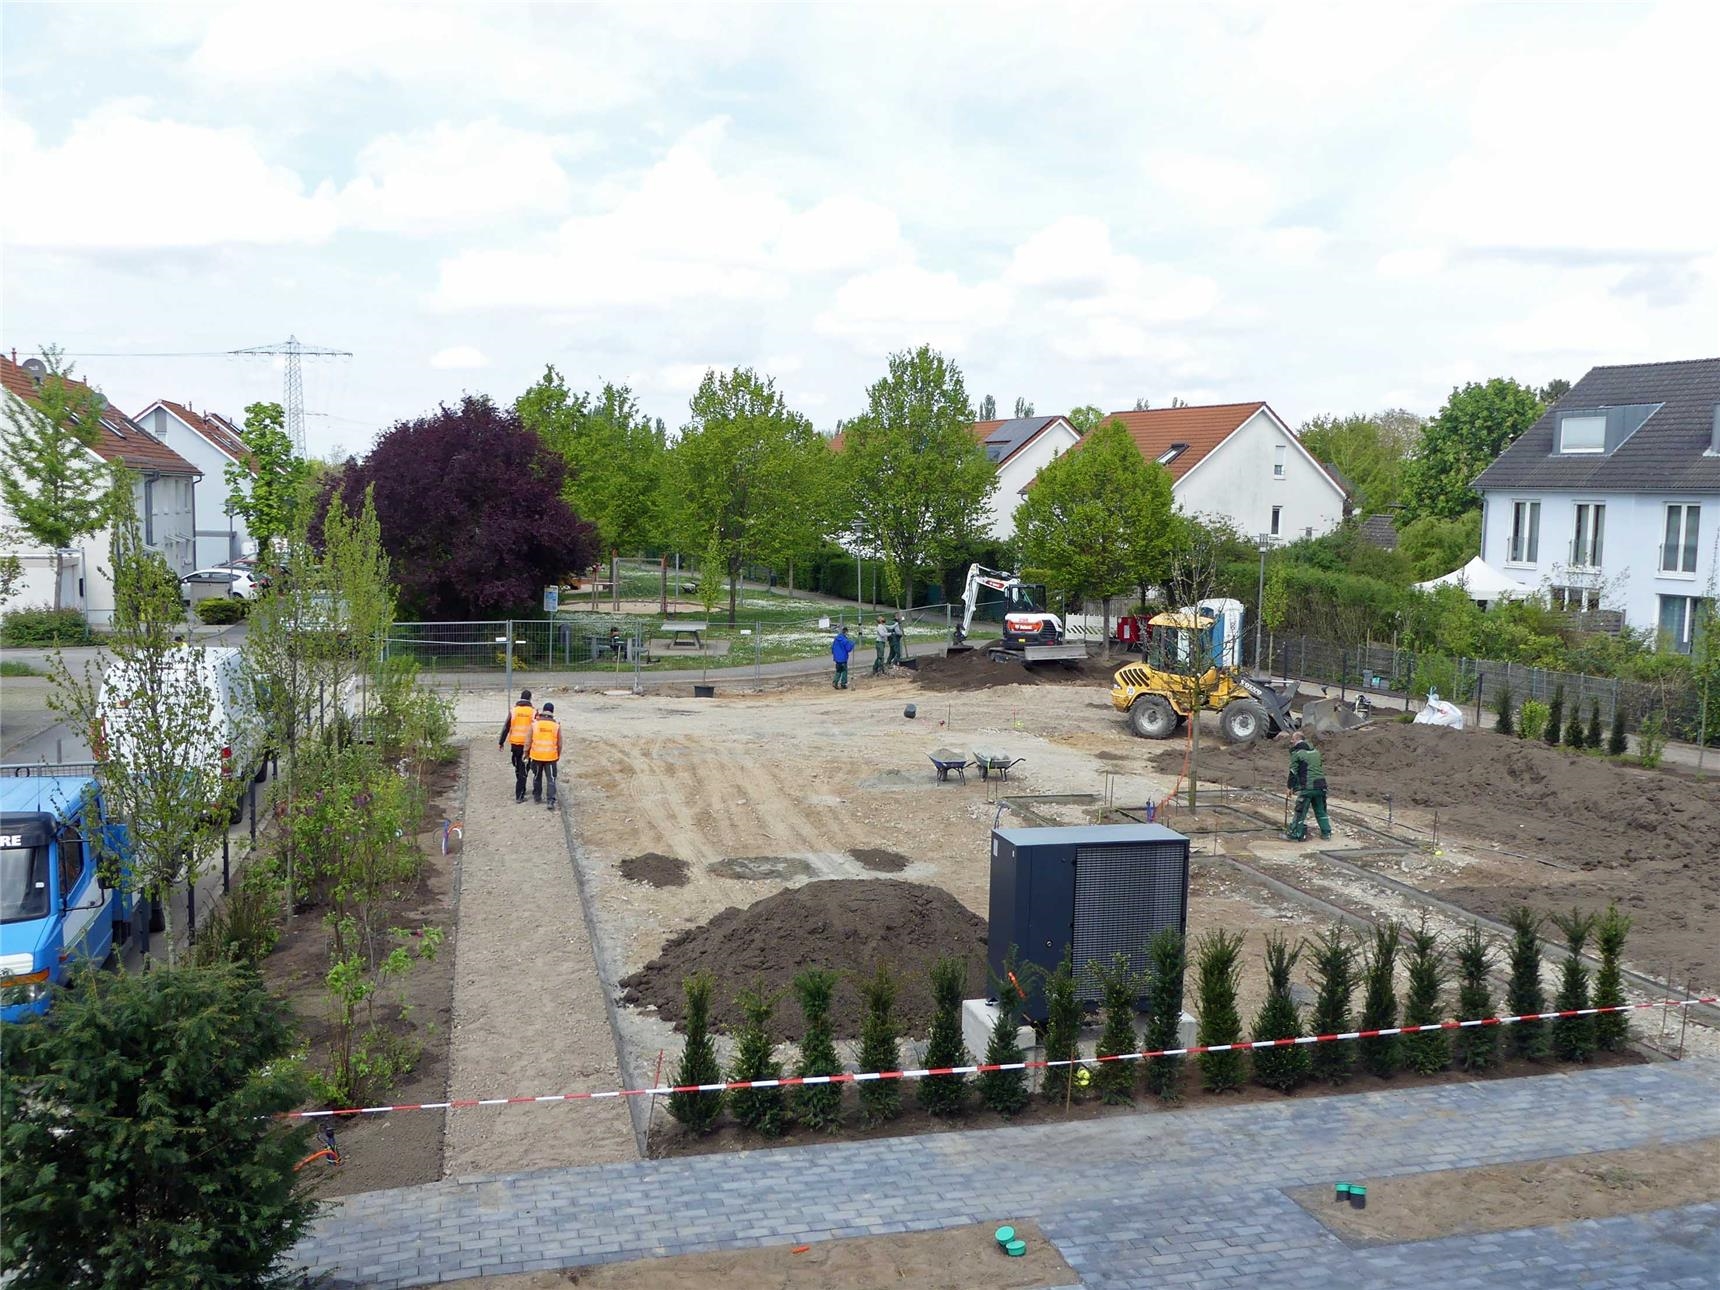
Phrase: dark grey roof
[1380,531]
[1010,435]
[1665,455]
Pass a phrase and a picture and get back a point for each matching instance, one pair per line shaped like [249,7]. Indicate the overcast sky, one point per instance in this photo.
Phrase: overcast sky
[1332,209]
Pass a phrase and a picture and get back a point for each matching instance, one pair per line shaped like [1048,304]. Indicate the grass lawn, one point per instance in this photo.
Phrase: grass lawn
[11,667]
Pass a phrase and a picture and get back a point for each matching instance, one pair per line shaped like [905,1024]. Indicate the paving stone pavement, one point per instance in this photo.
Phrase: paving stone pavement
[1192,1198]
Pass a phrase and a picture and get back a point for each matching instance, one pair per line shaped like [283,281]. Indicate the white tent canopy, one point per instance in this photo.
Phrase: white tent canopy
[1482,581]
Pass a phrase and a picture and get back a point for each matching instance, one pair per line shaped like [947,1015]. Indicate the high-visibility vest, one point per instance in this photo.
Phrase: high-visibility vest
[520,724]
[546,740]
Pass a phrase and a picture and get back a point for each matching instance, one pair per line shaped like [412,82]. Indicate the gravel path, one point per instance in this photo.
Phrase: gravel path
[528,1009]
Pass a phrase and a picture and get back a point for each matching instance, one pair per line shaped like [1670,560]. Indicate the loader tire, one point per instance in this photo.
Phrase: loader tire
[1242,722]
[1152,717]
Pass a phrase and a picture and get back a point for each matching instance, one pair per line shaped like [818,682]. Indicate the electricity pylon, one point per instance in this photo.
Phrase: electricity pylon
[294,401]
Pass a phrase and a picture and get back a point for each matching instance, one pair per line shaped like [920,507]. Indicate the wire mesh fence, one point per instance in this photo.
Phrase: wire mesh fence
[1384,668]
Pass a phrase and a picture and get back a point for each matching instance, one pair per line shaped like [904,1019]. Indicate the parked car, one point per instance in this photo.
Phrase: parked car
[219,583]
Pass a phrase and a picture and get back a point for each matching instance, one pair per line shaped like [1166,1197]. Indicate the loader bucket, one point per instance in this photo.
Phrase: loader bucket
[1330,717]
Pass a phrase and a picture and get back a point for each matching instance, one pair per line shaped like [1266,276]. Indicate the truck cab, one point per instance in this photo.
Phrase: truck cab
[58,908]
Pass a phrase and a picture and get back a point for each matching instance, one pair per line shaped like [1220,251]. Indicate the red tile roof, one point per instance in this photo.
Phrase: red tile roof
[119,437]
[1199,429]
[211,425]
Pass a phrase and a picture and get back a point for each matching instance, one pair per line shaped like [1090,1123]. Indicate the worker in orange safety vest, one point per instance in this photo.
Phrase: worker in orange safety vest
[517,734]
[545,753]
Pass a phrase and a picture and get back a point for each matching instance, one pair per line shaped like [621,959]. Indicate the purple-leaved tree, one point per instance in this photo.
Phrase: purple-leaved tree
[471,511]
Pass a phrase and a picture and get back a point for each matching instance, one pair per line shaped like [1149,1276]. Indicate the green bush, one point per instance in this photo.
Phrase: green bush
[1062,1030]
[1119,985]
[1574,737]
[1527,997]
[1615,736]
[698,1112]
[1651,739]
[1475,1048]
[1332,965]
[1573,1037]
[880,1099]
[221,612]
[1612,1029]
[946,1094]
[1285,1069]
[140,1135]
[23,627]
[1167,963]
[245,926]
[1218,969]
[1555,718]
[817,1106]
[1379,1053]
[759,1109]
[1532,719]
[1502,706]
[1427,1053]
[1005,1091]
[1592,736]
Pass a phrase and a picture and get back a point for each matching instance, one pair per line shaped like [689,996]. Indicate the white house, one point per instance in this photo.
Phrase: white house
[1611,500]
[166,503]
[1241,463]
[210,442]
[1019,447]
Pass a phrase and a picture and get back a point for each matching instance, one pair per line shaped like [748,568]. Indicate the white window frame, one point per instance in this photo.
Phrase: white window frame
[1586,419]
[1280,460]
[1588,548]
[1687,543]
[1277,517]
[1683,639]
[1523,542]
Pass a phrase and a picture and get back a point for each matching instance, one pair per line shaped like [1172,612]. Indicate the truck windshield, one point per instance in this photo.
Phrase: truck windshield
[23,883]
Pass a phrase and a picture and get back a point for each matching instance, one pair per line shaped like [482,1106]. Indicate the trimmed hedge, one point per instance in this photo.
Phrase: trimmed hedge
[44,627]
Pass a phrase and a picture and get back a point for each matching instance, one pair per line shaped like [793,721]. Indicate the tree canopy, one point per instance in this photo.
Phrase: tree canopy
[1477,423]
[916,479]
[471,510]
[1097,521]
[1369,451]
[267,496]
[613,453]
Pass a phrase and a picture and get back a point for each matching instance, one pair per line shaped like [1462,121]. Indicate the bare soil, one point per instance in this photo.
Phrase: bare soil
[1597,831]
[955,1258]
[1499,1198]
[655,870]
[851,926]
[386,1150]
[880,859]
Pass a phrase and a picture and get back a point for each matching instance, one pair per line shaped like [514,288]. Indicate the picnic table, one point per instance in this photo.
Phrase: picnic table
[677,633]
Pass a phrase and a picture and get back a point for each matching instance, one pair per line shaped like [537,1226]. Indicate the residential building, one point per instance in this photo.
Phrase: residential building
[210,442]
[1611,501]
[164,494]
[1241,463]
[1020,447]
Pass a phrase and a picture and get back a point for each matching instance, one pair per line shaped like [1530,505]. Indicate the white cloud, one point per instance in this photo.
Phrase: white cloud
[682,231]
[456,174]
[1411,262]
[906,305]
[459,358]
[1212,189]
[123,181]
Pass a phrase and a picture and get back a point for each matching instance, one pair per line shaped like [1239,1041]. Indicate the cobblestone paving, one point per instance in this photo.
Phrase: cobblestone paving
[1184,1199]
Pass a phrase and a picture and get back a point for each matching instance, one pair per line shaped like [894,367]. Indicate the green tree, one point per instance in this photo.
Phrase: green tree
[1502,722]
[1098,520]
[1333,969]
[698,1112]
[915,480]
[1085,418]
[1379,1053]
[1062,1029]
[759,1109]
[988,408]
[1023,408]
[1427,1053]
[945,1094]
[1555,729]
[1119,986]
[817,1106]
[880,1099]
[1615,734]
[140,1136]
[1553,390]
[1612,1029]
[1592,735]
[50,477]
[1218,959]
[1005,1091]
[1574,729]
[1526,996]
[1573,1037]
[1435,546]
[268,489]
[1475,1048]
[1369,451]
[1285,1069]
[737,473]
[615,456]
[1167,963]
[1477,423]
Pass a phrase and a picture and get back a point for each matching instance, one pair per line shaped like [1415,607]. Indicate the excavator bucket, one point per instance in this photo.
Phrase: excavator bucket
[1330,717]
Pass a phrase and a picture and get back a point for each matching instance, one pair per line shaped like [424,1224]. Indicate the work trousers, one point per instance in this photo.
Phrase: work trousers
[895,649]
[1307,798]
[521,762]
[878,662]
[841,682]
[543,778]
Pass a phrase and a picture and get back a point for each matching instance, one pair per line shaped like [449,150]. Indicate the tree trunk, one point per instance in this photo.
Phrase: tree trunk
[59,576]
[907,586]
[1105,622]
[734,584]
[791,577]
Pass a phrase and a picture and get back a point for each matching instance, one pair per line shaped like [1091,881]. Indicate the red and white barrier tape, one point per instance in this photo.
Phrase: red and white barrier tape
[861,1077]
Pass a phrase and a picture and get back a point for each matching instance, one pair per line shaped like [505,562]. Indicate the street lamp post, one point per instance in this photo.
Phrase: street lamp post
[1264,542]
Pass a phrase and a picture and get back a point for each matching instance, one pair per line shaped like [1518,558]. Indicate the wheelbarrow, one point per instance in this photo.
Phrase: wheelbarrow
[995,763]
[948,762]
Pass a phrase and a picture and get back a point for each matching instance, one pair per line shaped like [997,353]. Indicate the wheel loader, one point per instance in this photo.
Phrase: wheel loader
[1189,663]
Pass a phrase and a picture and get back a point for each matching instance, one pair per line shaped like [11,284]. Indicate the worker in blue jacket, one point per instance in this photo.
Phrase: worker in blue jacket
[840,649]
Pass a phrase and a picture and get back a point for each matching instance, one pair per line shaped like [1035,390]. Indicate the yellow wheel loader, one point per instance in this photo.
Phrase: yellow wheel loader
[1189,665]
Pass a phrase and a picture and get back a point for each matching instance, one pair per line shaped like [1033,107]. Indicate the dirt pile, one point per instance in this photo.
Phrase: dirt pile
[655,869]
[1518,794]
[849,925]
[878,860]
[974,670]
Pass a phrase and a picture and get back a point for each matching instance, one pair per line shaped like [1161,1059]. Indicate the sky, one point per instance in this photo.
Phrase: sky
[1331,208]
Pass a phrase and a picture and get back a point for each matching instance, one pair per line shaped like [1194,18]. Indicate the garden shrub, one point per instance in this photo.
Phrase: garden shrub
[1062,1030]
[1332,965]
[1532,719]
[759,1109]
[1573,1037]
[1218,959]
[697,1112]
[1527,997]
[1429,1052]
[1119,986]
[1285,1069]
[1474,1048]
[946,1094]
[1167,962]
[222,612]
[880,1099]
[41,626]
[1379,1053]
[1005,1091]
[1612,1029]
[817,1106]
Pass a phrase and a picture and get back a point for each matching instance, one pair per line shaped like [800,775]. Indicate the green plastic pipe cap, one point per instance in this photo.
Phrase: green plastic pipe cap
[1005,1235]
[1016,1248]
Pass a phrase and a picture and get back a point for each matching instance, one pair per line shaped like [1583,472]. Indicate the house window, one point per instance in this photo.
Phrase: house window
[1278,454]
[1586,543]
[1277,514]
[1683,527]
[1575,600]
[1582,433]
[1170,454]
[149,512]
[1525,532]
[1681,622]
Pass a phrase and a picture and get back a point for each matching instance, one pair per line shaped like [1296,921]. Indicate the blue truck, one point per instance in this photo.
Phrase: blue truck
[62,902]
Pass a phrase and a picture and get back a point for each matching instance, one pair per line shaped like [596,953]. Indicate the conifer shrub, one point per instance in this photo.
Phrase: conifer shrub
[817,1106]
[1615,736]
[1332,966]
[1502,721]
[1474,1048]
[1167,963]
[1574,730]
[1285,1069]
[1555,718]
[880,1099]
[1005,1091]
[1218,967]
[1062,1030]
[1119,986]
[697,1112]
[1573,1037]
[1592,736]
[1612,1029]
[1427,1053]
[1379,1053]
[760,1109]
[1527,996]
[946,1095]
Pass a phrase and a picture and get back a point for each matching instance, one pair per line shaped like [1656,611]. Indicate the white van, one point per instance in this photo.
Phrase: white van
[234,748]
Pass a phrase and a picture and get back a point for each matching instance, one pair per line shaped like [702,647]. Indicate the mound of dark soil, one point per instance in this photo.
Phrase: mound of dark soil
[850,925]
[974,670]
[655,870]
[878,860]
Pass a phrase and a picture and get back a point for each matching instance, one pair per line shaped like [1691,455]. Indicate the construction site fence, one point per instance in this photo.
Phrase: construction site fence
[1477,683]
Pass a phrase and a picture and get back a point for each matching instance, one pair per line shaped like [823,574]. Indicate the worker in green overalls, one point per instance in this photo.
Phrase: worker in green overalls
[1308,782]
